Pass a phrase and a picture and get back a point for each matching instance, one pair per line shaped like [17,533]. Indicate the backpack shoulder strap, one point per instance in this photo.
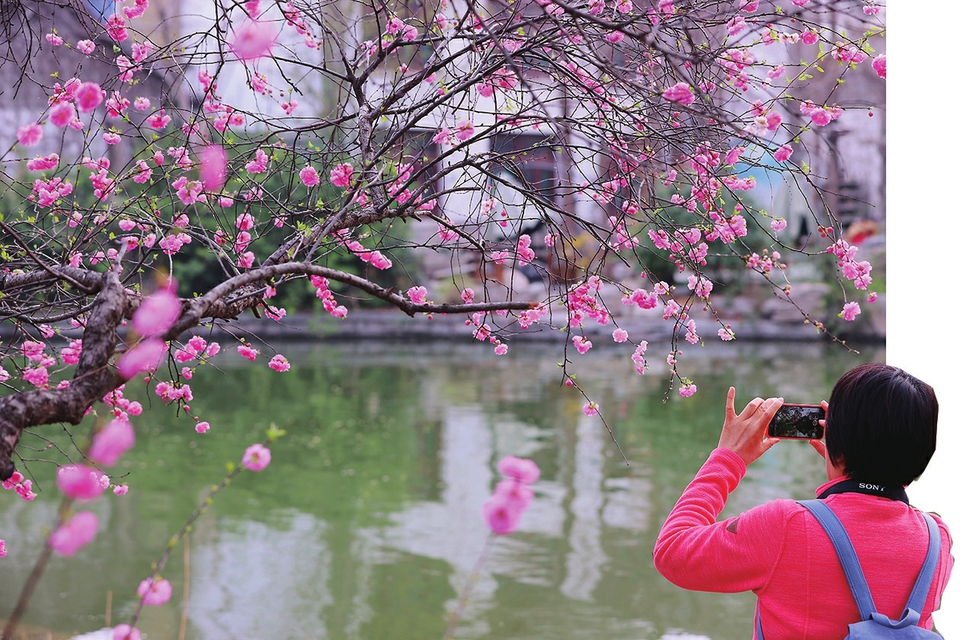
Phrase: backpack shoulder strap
[848,557]
[925,580]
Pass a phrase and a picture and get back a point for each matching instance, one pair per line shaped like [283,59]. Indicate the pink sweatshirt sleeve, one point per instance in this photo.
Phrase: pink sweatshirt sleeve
[694,551]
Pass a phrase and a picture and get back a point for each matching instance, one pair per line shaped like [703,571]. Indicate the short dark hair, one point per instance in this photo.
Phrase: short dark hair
[882,424]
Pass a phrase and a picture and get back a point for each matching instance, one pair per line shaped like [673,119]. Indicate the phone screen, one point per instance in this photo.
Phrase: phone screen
[797,421]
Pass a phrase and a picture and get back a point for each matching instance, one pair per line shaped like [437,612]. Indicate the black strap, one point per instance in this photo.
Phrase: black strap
[869,488]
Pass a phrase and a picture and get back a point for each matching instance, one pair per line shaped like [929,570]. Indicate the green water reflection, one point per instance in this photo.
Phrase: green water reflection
[367,522]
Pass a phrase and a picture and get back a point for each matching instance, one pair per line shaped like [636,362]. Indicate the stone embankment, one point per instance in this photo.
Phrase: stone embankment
[773,320]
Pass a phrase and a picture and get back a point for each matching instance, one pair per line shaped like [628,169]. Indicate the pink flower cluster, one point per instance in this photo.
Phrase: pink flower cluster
[326,295]
[279,363]
[375,258]
[857,271]
[584,302]
[820,116]
[82,483]
[341,175]
[21,485]
[681,93]
[512,495]
[525,254]
[155,315]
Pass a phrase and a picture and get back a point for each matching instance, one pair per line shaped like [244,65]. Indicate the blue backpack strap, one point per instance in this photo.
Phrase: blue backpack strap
[925,580]
[851,565]
[848,556]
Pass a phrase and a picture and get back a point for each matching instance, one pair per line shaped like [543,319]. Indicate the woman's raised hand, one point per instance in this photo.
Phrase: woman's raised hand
[746,433]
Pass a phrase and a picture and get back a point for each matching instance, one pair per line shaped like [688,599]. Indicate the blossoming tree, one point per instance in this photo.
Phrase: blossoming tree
[554,155]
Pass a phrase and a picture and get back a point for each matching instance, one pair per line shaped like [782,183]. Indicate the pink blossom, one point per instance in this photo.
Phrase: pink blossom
[154,592]
[679,93]
[246,260]
[341,175]
[591,409]
[37,376]
[502,514]
[125,632]
[202,427]
[111,442]
[245,222]
[43,163]
[880,65]
[111,137]
[778,224]
[525,254]
[89,96]
[54,39]
[29,134]
[117,27]
[783,153]
[80,482]
[141,103]
[620,335]
[256,457]
[159,120]
[520,469]
[688,389]
[248,352]
[141,50]
[465,130]
[3,548]
[74,534]
[733,155]
[86,47]
[380,261]
[309,176]
[582,344]
[62,114]
[121,490]
[116,105]
[809,37]
[417,295]
[279,363]
[701,285]
[259,163]
[850,311]
[156,313]
[143,172]
[252,40]
[736,25]
[213,167]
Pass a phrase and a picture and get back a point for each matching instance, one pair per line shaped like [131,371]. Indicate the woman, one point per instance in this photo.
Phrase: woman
[881,430]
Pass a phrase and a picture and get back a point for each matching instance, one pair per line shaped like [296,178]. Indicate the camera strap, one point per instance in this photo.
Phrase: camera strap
[869,488]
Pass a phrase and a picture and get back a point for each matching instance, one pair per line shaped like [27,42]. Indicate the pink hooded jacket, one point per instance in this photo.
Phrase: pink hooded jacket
[779,551]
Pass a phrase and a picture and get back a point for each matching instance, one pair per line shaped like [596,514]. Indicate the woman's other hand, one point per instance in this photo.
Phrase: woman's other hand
[746,433]
[820,445]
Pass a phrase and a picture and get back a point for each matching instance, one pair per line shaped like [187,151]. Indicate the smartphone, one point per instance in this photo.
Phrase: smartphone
[797,421]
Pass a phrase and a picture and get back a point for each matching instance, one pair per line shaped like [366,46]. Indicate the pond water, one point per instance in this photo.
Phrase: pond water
[367,522]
